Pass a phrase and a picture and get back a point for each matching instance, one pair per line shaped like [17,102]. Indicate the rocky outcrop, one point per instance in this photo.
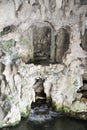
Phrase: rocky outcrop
[44,41]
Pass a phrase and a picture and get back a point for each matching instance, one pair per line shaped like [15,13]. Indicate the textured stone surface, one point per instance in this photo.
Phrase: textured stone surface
[62,44]
[84,40]
[67,21]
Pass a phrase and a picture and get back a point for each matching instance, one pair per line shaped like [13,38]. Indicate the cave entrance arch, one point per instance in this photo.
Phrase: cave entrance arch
[40,96]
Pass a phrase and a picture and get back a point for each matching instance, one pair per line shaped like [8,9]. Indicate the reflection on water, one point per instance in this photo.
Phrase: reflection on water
[62,123]
[42,114]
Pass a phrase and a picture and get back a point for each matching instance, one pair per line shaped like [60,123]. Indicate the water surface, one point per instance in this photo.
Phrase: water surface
[61,123]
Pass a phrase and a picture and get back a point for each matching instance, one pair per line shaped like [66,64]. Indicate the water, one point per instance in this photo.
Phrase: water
[61,123]
[42,114]
[44,119]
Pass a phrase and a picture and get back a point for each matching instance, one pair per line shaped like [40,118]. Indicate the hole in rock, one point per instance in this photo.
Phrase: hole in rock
[40,96]
[41,109]
[8,29]
[84,81]
[83,2]
[83,89]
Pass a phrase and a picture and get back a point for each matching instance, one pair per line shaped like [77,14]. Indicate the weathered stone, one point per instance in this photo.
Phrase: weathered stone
[8,29]
[84,41]
[2,67]
[1,53]
[84,76]
[83,88]
[81,107]
[25,47]
[62,44]
[83,2]
[38,86]
[28,31]
[1,115]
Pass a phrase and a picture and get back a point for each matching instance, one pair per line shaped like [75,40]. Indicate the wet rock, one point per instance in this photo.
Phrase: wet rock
[79,115]
[41,114]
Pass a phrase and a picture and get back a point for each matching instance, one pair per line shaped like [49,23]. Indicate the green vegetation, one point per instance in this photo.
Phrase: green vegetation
[66,109]
[6,45]
[25,113]
[13,124]
[61,107]
[1,125]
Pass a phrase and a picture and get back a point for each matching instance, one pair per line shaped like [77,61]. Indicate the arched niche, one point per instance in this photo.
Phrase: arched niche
[41,45]
[41,42]
[62,44]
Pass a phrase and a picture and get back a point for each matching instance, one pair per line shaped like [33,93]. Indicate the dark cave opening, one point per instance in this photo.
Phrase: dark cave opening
[42,109]
[83,2]
[84,81]
[8,29]
[40,96]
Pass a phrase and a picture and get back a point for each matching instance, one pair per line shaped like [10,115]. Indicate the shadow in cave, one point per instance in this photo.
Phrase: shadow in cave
[41,109]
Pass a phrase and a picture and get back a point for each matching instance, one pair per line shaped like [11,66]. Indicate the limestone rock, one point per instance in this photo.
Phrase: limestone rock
[52,31]
[84,41]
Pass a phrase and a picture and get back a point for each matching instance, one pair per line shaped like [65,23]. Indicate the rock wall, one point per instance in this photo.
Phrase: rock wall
[48,40]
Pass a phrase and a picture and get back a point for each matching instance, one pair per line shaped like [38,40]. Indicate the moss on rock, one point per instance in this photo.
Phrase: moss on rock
[6,45]
[13,124]
[25,112]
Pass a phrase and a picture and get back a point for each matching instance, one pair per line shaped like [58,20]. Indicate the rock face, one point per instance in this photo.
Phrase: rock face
[47,40]
[62,44]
